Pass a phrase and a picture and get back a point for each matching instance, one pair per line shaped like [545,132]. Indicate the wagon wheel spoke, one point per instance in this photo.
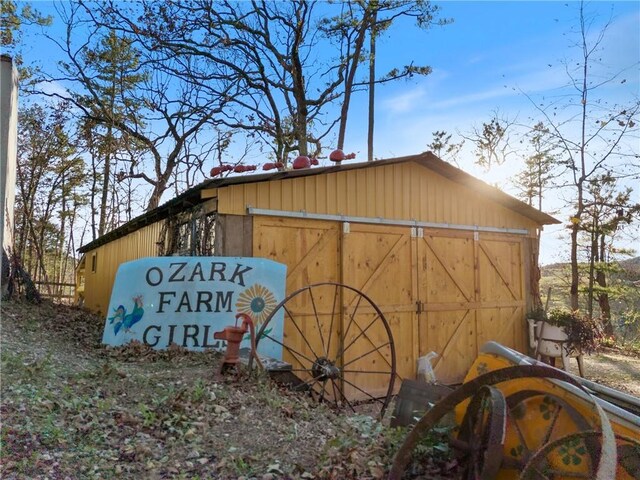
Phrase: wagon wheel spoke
[342,395]
[555,408]
[307,386]
[295,353]
[570,450]
[340,379]
[333,314]
[315,313]
[300,331]
[352,316]
[324,386]
[482,432]
[540,474]
[361,334]
[385,372]
[365,354]
[556,414]
[375,399]
[523,442]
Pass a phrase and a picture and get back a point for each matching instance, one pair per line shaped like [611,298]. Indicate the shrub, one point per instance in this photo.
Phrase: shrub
[585,333]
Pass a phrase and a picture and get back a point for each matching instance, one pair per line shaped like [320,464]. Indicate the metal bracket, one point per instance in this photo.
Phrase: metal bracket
[346,227]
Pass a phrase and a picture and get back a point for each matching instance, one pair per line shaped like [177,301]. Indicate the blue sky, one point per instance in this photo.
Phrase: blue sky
[480,62]
[491,48]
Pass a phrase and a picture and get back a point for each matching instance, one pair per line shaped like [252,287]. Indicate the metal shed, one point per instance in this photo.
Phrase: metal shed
[450,260]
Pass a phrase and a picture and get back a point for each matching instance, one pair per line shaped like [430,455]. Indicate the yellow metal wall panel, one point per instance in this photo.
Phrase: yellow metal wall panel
[98,284]
[403,191]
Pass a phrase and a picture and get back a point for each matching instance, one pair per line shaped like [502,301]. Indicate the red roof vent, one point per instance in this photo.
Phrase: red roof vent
[271,166]
[215,171]
[301,162]
[244,168]
[337,156]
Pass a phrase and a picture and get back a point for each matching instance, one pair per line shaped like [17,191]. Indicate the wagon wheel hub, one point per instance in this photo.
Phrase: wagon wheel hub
[338,344]
[324,369]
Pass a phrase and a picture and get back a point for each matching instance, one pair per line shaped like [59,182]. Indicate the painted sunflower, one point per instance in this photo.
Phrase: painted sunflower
[256,301]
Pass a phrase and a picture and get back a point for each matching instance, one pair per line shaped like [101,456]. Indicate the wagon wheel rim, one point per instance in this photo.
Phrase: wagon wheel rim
[336,347]
[556,406]
[538,465]
[480,441]
[605,469]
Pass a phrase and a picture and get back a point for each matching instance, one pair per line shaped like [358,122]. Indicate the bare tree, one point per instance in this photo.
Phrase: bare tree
[350,29]
[492,141]
[590,134]
[50,176]
[444,148]
[168,111]
[271,52]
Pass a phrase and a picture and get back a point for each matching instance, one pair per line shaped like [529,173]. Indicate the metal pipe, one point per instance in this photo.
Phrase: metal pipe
[381,221]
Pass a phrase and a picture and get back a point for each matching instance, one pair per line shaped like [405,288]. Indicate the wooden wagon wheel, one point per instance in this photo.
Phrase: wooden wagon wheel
[481,435]
[339,344]
[481,438]
[558,459]
[604,470]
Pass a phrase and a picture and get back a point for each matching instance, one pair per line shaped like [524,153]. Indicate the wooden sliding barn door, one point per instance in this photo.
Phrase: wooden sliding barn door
[471,290]
[377,260]
[441,290]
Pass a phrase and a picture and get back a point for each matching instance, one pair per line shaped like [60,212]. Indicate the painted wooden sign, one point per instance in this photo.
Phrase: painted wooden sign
[185,300]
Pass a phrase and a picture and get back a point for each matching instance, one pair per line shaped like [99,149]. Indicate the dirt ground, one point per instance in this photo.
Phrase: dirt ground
[73,409]
[613,369]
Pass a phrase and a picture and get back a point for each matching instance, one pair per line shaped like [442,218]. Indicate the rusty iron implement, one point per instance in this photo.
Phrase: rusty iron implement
[233,335]
[483,431]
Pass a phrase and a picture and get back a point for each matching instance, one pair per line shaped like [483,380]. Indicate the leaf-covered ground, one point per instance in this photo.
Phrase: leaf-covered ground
[73,409]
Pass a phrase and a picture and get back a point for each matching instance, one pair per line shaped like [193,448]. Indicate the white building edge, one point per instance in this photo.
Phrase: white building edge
[8,151]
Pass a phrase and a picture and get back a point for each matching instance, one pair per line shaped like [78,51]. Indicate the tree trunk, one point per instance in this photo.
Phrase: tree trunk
[603,298]
[575,276]
[593,254]
[351,74]
[105,184]
[372,84]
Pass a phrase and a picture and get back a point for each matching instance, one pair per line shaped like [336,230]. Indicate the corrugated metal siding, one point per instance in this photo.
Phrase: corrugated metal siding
[98,284]
[402,191]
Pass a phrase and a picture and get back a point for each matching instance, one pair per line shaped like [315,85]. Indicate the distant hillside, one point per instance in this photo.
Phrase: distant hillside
[632,265]
[557,276]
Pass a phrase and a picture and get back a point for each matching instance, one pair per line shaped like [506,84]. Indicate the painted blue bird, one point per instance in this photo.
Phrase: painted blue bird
[122,320]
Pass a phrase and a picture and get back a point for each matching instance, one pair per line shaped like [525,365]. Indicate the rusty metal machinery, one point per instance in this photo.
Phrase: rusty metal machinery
[339,345]
[508,431]
[233,335]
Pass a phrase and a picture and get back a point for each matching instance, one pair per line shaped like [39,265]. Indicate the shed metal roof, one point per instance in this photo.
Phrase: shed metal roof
[427,159]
